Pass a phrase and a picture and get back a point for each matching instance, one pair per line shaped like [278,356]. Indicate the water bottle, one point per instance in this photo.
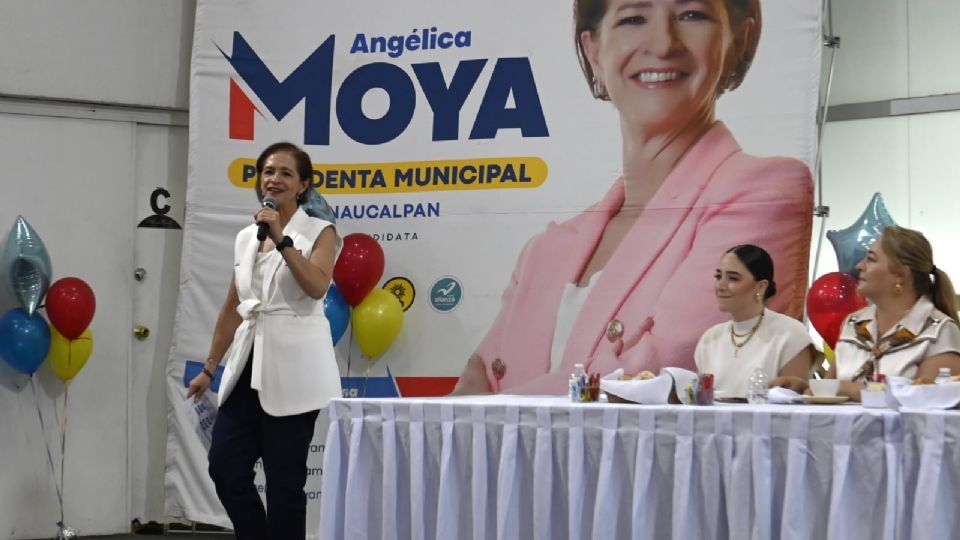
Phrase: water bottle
[757,389]
[577,383]
[943,375]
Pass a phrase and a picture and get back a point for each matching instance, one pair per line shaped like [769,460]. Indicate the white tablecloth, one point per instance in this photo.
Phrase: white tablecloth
[536,467]
[932,473]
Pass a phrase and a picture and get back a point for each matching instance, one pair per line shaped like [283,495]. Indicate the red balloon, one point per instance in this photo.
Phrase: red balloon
[359,267]
[830,299]
[70,306]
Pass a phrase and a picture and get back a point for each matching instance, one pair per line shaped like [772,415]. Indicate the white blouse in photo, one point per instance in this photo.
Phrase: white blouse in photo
[570,305]
[778,339]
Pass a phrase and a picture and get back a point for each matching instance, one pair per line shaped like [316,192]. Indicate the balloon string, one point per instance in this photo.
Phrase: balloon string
[56,413]
[366,380]
[391,378]
[349,350]
[63,441]
[43,431]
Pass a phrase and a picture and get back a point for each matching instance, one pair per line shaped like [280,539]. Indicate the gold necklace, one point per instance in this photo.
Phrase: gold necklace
[749,335]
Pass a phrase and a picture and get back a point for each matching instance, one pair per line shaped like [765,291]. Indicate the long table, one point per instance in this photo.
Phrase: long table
[541,467]
[932,472]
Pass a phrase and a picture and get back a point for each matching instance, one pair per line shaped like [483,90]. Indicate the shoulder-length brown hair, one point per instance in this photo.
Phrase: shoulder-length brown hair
[300,157]
[588,13]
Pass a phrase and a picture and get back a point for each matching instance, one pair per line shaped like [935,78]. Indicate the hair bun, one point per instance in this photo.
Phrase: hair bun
[771,289]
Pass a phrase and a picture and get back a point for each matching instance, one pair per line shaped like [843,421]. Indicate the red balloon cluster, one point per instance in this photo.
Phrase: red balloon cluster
[359,267]
[377,315]
[70,306]
[830,299]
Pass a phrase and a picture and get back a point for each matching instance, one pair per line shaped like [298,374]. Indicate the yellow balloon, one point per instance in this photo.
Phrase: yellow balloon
[828,352]
[67,357]
[376,322]
[827,361]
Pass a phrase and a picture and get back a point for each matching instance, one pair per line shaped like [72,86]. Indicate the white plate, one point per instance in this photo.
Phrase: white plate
[825,400]
[728,397]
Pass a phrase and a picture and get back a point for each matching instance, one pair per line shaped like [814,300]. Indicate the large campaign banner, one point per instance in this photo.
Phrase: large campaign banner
[452,132]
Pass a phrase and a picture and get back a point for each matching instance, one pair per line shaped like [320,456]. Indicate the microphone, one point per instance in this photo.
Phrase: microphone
[263,228]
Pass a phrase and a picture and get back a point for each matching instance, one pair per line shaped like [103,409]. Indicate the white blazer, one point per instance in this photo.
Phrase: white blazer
[294,365]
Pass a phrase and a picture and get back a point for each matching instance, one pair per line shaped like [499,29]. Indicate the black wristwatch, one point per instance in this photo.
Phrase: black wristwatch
[285,243]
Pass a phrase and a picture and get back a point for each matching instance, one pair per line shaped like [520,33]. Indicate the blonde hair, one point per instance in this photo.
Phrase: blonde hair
[907,247]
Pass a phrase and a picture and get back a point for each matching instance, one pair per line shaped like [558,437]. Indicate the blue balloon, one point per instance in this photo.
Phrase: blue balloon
[26,265]
[24,340]
[316,206]
[337,310]
[851,244]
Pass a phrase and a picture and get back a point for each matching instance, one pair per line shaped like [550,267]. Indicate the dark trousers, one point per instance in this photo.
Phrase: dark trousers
[243,433]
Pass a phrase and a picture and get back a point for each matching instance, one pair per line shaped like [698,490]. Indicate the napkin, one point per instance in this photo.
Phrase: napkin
[928,396]
[782,396]
[650,391]
[681,379]
[614,376]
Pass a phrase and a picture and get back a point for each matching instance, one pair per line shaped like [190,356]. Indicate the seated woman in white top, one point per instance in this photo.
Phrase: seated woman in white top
[755,337]
[913,311]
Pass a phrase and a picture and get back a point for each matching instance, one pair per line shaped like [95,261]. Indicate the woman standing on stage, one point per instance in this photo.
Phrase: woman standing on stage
[281,368]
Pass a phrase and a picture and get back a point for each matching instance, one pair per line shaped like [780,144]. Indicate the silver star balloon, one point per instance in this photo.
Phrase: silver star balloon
[851,244]
[26,265]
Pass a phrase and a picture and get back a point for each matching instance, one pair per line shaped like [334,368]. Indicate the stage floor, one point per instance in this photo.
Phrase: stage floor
[210,535]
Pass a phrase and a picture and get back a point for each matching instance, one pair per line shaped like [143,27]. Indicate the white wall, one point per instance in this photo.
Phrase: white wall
[82,176]
[893,49]
[104,51]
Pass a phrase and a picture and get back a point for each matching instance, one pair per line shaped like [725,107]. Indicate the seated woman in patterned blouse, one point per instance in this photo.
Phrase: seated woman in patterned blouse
[910,330]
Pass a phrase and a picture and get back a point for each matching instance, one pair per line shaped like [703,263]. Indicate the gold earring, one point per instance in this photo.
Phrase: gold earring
[897,289]
[757,297]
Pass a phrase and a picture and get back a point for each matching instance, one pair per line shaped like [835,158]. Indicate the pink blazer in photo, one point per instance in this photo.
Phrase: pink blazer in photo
[658,283]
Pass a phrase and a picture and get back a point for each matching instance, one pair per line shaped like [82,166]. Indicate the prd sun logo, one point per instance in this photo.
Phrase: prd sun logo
[403,289]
